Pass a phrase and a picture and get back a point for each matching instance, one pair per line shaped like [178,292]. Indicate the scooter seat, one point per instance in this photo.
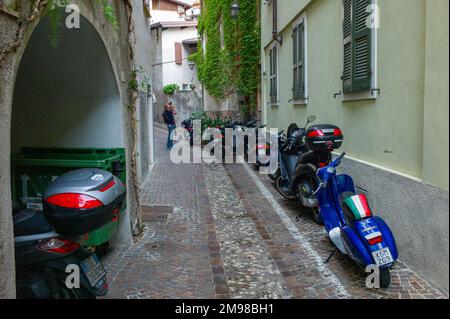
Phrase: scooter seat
[30,222]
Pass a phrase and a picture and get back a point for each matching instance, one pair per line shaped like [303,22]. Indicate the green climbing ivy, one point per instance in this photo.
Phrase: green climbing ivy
[54,12]
[140,81]
[232,58]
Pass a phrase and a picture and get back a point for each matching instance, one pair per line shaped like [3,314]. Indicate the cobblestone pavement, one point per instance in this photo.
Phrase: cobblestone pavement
[302,259]
[232,235]
[175,257]
[250,271]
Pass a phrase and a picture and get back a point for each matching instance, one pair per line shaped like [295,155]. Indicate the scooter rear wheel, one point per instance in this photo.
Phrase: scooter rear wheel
[80,293]
[385,277]
[288,196]
[275,176]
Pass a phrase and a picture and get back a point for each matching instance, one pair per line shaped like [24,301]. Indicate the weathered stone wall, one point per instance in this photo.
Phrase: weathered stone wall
[185,102]
[189,102]
[116,44]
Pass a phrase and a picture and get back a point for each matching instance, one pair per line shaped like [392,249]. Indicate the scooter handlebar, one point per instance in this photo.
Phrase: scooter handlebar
[339,158]
[331,169]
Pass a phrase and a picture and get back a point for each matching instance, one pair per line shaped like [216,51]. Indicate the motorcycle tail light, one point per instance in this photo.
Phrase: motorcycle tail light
[316,133]
[377,238]
[262,146]
[72,200]
[59,246]
[323,164]
[104,189]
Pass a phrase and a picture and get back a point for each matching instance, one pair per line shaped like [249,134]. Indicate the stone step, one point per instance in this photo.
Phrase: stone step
[156,213]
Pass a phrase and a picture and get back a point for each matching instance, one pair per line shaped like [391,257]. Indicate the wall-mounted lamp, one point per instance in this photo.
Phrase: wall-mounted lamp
[235,9]
[191,65]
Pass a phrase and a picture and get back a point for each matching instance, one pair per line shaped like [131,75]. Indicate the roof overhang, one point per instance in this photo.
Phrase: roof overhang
[182,3]
[193,41]
[174,24]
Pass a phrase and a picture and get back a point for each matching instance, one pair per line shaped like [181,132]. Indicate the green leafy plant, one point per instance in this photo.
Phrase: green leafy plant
[170,89]
[210,122]
[54,12]
[109,12]
[139,79]
[230,63]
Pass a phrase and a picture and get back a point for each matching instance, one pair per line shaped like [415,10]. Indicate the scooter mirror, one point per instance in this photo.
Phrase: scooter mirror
[311,118]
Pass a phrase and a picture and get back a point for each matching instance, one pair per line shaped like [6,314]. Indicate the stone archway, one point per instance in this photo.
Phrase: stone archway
[66,96]
[114,57]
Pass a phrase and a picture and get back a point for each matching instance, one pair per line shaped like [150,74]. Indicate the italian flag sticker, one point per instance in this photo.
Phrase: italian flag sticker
[359,206]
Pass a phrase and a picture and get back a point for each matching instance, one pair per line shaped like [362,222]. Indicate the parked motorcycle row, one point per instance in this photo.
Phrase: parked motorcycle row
[307,174]
[222,125]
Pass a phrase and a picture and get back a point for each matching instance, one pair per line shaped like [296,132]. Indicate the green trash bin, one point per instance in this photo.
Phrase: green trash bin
[34,168]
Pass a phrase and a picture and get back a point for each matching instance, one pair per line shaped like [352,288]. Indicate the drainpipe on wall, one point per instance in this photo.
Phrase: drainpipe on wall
[275,35]
[203,87]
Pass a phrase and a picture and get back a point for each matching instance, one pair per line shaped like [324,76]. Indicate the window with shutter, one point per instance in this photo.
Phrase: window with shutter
[357,44]
[299,85]
[178,53]
[273,75]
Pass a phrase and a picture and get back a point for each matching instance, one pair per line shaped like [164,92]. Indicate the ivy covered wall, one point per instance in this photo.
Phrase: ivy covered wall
[230,61]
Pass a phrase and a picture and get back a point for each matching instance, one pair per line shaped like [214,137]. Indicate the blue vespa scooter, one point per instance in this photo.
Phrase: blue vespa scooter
[350,224]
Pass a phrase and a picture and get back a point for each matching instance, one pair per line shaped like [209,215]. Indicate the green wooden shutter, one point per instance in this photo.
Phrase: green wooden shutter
[357,73]
[347,74]
[299,62]
[362,40]
[273,75]
[270,74]
[295,62]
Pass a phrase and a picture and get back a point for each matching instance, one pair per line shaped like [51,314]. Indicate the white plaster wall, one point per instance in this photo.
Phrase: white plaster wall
[172,72]
[82,123]
[143,55]
[165,15]
[64,99]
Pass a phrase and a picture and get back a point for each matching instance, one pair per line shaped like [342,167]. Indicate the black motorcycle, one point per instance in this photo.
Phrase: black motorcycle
[299,162]
[188,125]
[288,156]
[51,262]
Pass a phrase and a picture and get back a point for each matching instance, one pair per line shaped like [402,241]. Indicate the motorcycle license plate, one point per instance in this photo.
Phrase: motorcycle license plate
[94,271]
[383,257]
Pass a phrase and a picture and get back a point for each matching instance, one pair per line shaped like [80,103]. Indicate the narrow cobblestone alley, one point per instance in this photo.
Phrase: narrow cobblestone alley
[231,235]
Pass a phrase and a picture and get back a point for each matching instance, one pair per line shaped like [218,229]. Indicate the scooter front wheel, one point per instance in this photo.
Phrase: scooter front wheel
[385,277]
[279,187]
[316,216]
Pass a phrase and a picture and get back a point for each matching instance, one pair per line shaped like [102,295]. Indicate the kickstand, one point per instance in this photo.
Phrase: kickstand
[331,255]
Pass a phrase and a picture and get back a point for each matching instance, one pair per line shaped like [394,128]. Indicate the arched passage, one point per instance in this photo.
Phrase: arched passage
[66,96]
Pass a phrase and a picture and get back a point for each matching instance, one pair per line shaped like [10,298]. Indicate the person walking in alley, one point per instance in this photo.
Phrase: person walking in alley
[169,120]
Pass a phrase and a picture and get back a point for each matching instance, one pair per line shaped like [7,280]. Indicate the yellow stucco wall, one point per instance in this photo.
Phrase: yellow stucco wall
[388,131]
[436,128]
